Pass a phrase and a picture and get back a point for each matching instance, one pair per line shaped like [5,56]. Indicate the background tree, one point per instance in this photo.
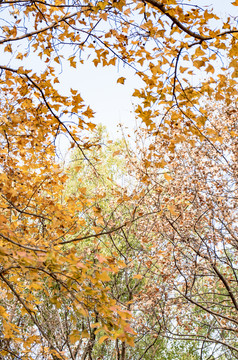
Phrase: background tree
[129,245]
[195,197]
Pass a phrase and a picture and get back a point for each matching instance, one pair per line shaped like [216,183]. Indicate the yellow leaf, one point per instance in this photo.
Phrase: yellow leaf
[183,69]
[72,62]
[125,315]
[91,125]
[8,48]
[199,63]
[101,5]
[104,276]
[210,68]
[172,209]
[167,177]
[3,219]
[82,311]
[121,80]
[199,52]
[85,334]
[74,92]
[130,341]
[103,16]
[7,329]
[75,336]
[36,286]
[96,229]
[19,56]
[89,113]
[3,313]
[119,4]
[235,3]
[56,59]
[103,338]
[235,73]
[138,276]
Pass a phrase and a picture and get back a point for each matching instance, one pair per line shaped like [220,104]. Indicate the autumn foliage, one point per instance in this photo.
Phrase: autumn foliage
[91,266]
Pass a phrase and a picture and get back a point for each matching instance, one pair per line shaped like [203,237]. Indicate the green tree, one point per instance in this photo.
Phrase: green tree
[125,245]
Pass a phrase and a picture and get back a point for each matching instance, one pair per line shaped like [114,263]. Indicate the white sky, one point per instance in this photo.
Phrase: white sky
[112,102]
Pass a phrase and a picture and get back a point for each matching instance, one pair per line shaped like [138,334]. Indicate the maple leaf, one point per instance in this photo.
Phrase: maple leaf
[89,113]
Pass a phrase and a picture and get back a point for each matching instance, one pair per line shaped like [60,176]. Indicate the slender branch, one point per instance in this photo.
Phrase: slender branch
[152,344]
[13,206]
[33,318]
[91,236]
[50,109]
[221,277]
[55,24]
[165,11]
[22,246]
[214,313]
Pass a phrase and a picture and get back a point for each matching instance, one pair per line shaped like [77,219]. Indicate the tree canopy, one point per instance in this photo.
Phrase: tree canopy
[90,264]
